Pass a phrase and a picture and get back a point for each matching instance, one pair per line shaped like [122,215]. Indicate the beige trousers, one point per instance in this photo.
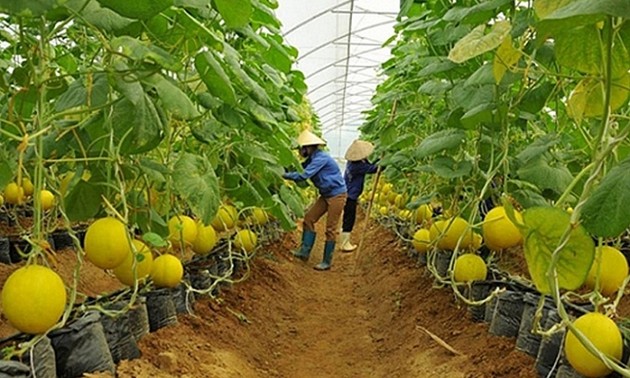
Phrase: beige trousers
[334,207]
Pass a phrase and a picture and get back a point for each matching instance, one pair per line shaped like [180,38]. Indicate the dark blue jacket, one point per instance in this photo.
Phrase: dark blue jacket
[323,171]
[354,176]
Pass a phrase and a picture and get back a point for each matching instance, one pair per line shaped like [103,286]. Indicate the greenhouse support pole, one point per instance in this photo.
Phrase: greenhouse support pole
[357,259]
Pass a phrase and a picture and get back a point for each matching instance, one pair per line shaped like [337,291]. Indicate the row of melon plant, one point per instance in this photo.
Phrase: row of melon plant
[149,121]
[518,104]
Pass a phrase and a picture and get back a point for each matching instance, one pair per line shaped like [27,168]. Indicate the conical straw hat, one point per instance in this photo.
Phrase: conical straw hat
[307,138]
[359,150]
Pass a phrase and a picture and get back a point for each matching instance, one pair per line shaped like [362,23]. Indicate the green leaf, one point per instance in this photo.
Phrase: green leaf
[439,66]
[195,181]
[442,37]
[208,101]
[477,13]
[28,8]
[83,202]
[279,210]
[587,99]
[156,171]
[250,85]
[292,201]
[469,97]
[483,76]
[7,169]
[529,198]
[477,42]
[263,117]
[277,56]
[142,51]
[397,159]
[247,193]
[154,240]
[403,142]
[207,131]
[55,143]
[77,94]
[173,99]
[421,24]
[24,102]
[544,228]
[447,167]
[405,6]
[128,85]
[435,87]
[214,77]
[544,176]
[137,126]
[95,15]
[544,8]
[606,212]
[505,59]
[576,13]
[614,8]
[256,152]
[440,141]
[264,15]
[236,13]
[580,49]
[138,9]
[538,147]
[535,99]
[482,114]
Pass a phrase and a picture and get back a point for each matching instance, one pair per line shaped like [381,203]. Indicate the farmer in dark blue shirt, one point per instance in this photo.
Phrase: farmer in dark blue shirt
[354,176]
[325,174]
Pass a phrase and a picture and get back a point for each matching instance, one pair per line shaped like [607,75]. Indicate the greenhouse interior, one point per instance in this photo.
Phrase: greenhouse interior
[335,188]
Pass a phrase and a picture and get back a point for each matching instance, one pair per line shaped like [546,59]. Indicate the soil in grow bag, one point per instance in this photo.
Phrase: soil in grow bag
[5,254]
[200,279]
[480,290]
[81,347]
[528,341]
[222,264]
[14,369]
[121,342]
[442,262]
[508,311]
[183,299]
[62,240]
[138,319]
[41,359]
[80,233]
[161,309]
[550,351]
[19,247]
[421,258]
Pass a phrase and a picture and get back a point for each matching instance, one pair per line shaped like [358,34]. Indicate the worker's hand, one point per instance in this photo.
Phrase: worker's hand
[290,176]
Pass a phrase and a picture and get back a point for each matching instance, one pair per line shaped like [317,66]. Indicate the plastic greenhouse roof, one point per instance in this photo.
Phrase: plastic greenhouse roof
[340,53]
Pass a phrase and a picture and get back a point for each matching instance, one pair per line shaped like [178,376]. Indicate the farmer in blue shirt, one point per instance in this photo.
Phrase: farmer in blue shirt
[325,174]
[354,176]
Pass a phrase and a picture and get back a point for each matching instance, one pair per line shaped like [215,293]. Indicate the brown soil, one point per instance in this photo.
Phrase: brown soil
[289,320]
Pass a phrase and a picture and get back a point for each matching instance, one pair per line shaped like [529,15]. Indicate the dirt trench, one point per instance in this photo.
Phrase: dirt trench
[288,320]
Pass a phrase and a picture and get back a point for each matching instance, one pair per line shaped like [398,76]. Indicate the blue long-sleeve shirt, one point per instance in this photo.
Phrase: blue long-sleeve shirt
[354,176]
[323,171]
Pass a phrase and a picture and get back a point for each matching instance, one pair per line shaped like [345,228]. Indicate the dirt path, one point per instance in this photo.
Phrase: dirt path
[289,320]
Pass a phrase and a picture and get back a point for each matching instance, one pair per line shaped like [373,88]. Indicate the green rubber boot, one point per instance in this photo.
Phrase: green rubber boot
[308,240]
[329,248]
